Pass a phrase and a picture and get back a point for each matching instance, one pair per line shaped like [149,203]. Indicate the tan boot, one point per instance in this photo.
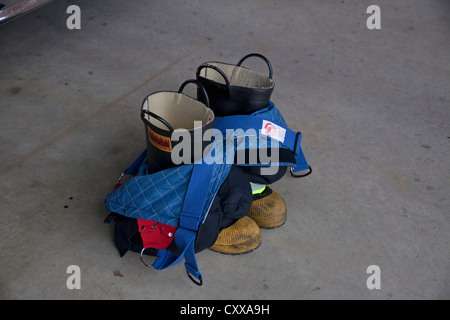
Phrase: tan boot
[268,210]
[242,237]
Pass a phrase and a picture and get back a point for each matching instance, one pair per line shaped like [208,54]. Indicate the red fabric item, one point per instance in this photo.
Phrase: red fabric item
[156,235]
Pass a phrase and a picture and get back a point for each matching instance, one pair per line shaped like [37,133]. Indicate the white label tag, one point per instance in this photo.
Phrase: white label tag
[274,131]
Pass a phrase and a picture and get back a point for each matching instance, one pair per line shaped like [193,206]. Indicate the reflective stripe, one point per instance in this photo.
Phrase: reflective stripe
[257,188]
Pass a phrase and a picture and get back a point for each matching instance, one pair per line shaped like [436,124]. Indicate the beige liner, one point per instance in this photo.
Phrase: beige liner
[178,109]
[238,76]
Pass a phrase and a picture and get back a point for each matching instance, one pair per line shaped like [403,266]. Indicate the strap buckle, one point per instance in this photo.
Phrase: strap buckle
[301,175]
[297,147]
[193,279]
[142,258]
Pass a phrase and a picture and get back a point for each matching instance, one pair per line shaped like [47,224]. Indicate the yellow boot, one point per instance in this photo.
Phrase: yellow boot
[268,209]
[242,237]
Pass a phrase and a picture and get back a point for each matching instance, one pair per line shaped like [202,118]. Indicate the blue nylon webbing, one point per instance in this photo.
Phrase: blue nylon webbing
[190,216]
[134,168]
[292,139]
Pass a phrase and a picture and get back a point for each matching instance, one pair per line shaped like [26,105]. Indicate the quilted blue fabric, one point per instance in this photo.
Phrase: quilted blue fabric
[271,113]
[160,196]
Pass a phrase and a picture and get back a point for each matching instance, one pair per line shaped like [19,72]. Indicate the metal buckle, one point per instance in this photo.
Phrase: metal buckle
[142,258]
[194,280]
[301,175]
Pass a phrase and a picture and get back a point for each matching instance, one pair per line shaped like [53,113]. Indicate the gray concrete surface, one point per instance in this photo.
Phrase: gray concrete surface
[373,107]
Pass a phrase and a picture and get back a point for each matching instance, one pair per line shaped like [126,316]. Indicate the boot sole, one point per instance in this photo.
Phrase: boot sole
[236,254]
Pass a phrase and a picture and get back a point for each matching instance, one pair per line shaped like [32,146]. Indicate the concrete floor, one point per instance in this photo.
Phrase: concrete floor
[373,107]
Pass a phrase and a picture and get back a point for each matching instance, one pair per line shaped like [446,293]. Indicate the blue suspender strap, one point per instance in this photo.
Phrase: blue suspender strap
[134,168]
[190,217]
[294,144]
[290,139]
